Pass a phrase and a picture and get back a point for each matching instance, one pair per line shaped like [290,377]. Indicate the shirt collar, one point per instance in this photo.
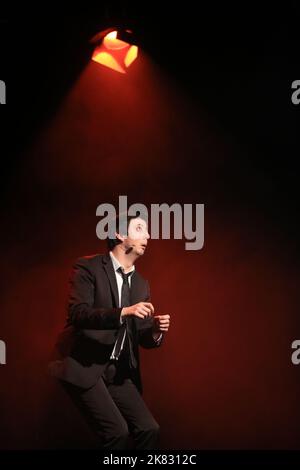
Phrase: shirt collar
[117,264]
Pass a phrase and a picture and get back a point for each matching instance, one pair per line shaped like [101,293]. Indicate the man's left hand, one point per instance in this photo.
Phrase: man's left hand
[161,323]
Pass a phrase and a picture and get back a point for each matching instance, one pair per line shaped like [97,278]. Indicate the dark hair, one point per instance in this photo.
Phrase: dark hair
[111,240]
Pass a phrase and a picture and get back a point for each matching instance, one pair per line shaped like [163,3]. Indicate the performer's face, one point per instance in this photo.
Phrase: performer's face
[138,236]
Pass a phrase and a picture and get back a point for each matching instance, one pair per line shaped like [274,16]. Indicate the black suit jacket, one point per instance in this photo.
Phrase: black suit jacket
[86,343]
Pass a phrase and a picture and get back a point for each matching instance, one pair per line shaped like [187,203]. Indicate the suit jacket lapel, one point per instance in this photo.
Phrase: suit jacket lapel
[134,289]
[108,267]
[136,296]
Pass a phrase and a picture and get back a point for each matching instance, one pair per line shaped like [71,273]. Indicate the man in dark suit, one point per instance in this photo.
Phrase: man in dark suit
[110,315]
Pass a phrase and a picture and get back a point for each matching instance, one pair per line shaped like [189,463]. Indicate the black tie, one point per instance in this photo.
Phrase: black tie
[125,293]
[127,328]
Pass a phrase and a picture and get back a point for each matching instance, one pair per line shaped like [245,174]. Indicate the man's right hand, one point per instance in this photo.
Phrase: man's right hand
[140,310]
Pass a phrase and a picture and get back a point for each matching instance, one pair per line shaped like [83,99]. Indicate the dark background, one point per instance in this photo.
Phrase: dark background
[204,116]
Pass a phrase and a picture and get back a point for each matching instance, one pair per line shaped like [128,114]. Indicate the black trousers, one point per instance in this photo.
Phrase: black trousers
[115,410]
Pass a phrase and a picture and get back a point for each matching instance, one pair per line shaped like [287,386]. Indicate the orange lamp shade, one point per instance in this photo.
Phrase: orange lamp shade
[115,53]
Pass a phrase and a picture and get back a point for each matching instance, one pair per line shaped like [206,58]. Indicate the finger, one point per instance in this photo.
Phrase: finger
[143,314]
[148,309]
[139,315]
[149,305]
[147,312]
[164,325]
[144,310]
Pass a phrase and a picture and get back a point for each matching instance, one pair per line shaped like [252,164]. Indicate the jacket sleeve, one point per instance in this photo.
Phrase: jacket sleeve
[81,311]
[146,339]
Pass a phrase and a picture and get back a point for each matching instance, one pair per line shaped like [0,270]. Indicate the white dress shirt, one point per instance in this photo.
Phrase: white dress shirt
[119,278]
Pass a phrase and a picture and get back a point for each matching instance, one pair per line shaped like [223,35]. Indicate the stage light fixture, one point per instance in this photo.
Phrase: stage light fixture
[115,48]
